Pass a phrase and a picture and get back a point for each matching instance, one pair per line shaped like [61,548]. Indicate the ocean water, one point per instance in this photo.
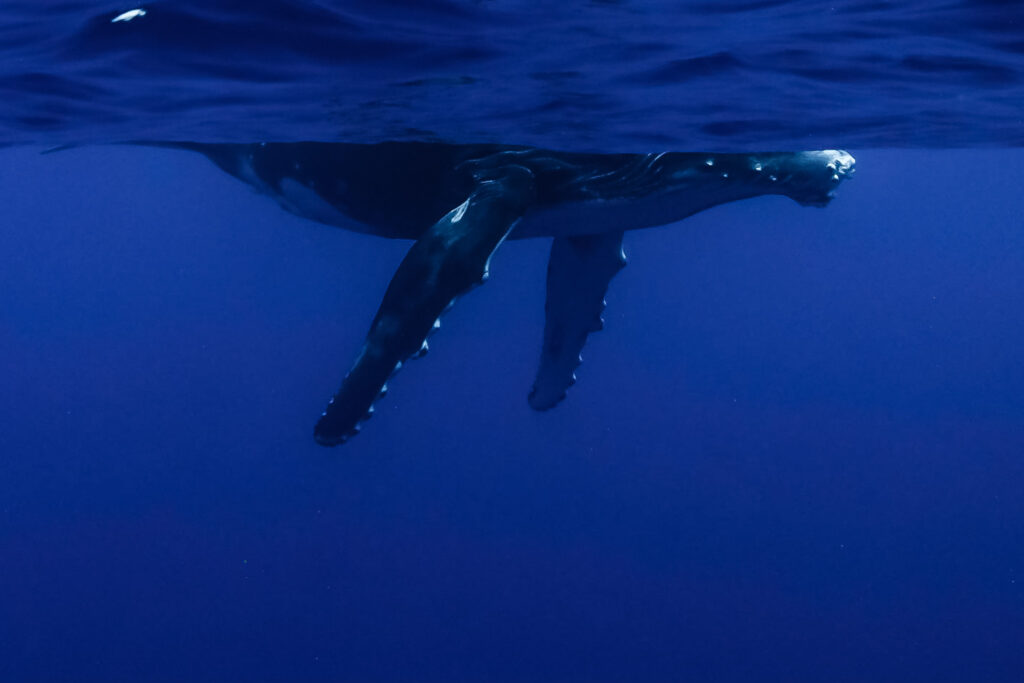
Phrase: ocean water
[600,75]
[795,453]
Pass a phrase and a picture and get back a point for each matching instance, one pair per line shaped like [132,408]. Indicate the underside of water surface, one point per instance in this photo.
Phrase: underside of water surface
[608,75]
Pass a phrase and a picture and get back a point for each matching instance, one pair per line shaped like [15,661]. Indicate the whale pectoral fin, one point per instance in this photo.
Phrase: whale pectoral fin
[448,260]
[579,270]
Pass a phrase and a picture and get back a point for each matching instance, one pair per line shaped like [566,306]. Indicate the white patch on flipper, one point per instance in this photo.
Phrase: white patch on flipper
[460,211]
[129,15]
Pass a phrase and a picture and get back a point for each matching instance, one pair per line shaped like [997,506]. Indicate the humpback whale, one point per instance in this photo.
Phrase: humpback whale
[458,203]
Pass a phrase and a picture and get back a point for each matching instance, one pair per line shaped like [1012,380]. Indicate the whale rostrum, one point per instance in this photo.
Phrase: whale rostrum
[458,203]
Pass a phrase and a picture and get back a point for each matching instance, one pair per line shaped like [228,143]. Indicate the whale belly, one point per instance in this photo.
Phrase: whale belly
[596,216]
[295,197]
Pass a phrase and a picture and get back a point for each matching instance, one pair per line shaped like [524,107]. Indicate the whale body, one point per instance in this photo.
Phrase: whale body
[458,203]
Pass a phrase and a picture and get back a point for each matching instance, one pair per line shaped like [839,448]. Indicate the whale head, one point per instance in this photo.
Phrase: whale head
[808,178]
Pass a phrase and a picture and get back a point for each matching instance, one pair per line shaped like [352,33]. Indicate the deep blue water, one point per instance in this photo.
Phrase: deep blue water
[796,452]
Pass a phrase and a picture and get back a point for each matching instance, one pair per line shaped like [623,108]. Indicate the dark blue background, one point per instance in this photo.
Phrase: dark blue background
[794,454]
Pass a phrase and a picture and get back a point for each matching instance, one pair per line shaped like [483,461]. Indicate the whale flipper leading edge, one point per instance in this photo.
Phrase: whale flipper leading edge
[447,261]
[579,270]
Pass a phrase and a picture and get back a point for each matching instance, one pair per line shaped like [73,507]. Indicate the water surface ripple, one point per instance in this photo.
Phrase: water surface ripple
[609,75]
